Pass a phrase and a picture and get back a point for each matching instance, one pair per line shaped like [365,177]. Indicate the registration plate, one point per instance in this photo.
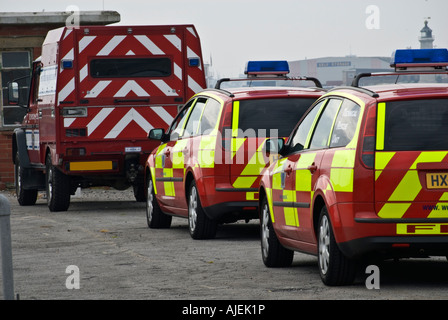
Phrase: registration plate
[437,180]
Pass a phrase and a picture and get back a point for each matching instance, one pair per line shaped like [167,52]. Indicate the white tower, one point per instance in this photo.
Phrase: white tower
[426,39]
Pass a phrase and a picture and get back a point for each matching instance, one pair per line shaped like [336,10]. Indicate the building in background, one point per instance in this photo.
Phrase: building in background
[21,38]
[336,71]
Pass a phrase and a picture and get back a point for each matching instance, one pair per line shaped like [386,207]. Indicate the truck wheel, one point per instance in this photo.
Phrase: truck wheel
[139,192]
[25,197]
[155,218]
[57,188]
[200,226]
[272,251]
[335,269]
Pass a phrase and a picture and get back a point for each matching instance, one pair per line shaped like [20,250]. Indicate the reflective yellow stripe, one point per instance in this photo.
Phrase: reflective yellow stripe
[269,198]
[291,215]
[381,161]
[303,175]
[342,179]
[252,195]
[236,144]
[380,124]
[341,174]
[169,188]
[178,155]
[429,156]
[153,177]
[344,159]
[393,210]
[256,163]
[408,188]
[422,228]
[244,182]
[235,118]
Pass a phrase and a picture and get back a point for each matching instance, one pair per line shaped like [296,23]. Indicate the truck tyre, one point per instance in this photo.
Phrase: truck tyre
[57,188]
[25,197]
[199,225]
[139,192]
[155,218]
[334,268]
[272,251]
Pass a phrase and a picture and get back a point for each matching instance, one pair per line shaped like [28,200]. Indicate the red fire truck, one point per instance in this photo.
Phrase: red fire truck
[94,94]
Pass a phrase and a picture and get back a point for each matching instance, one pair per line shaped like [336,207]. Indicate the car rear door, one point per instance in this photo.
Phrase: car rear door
[411,163]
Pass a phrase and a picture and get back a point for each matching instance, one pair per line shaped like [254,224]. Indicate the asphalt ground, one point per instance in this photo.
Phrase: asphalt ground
[103,244]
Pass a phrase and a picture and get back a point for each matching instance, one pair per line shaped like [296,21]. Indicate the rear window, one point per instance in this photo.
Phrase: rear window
[130,67]
[272,114]
[416,125]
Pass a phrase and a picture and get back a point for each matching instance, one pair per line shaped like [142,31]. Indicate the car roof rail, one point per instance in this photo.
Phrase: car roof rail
[371,93]
[315,80]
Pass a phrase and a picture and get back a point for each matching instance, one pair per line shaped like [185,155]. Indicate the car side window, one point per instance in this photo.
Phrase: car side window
[346,124]
[178,123]
[321,135]
[209,116]
[191,128]
[298,140]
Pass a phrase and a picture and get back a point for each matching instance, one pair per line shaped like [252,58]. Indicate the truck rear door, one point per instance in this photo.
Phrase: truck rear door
[122,70]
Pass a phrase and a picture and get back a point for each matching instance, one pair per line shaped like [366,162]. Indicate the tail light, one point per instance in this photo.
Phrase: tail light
[226,134]
[368,144]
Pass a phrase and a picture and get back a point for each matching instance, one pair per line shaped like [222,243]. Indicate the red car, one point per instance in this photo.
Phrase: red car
[364,173]
[209,164]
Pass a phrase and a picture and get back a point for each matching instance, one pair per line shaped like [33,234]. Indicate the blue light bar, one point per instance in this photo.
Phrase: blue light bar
[267,67]
[419,57]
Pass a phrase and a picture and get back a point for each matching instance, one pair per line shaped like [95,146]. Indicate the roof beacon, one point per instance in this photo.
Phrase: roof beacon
[267,68]
[420,60]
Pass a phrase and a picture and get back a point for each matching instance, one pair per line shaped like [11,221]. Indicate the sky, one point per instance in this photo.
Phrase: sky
[233,32]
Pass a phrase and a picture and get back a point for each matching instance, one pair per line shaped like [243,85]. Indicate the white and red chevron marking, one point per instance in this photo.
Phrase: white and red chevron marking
[121,122]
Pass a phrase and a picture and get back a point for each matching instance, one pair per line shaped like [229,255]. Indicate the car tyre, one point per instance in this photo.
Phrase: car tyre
[57,186]
[334,268]
[155,218]
[272,251]
[25,197]
[199,224]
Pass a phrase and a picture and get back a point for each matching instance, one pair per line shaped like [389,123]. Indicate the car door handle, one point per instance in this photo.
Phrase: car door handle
[288,170]
[312,168]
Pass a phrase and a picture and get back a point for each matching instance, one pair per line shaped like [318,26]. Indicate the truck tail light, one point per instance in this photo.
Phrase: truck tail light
[75,152]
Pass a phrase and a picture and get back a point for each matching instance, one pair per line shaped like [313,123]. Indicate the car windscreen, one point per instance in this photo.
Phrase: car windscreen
[130,67]
[280,114]
[416,125]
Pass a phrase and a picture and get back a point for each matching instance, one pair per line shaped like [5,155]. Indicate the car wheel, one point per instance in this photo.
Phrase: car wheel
[272,251]
[57,188]
[334,267]
[155,218]
[25,197]
[200,226]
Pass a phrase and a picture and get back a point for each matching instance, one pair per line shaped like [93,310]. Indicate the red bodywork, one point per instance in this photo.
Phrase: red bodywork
[389,209]
[94,124]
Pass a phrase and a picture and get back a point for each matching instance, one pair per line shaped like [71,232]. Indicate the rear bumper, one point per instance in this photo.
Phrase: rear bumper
[396,246]
[359,232]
